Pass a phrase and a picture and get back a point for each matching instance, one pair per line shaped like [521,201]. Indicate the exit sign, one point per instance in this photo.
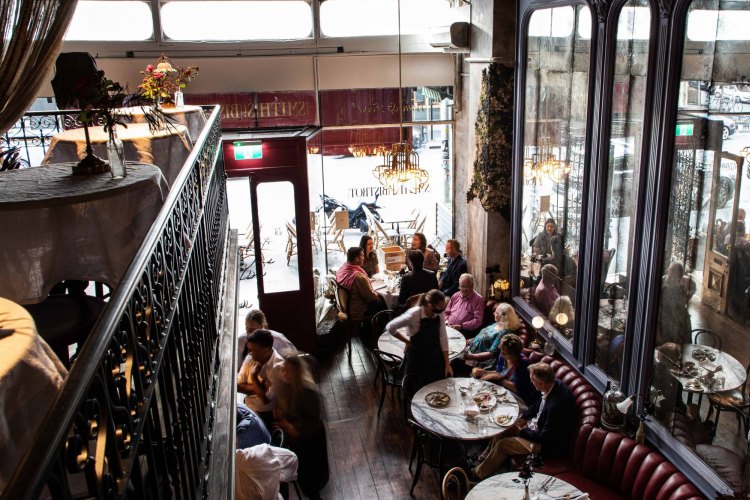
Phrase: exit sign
[684,129]
[248,150]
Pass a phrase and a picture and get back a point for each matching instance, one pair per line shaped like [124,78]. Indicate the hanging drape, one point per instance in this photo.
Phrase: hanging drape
[32,32]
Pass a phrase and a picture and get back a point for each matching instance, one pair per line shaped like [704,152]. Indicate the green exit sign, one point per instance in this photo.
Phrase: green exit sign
[248,150]
[684,129]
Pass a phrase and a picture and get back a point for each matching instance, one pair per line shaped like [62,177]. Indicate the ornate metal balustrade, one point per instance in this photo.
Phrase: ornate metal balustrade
[135,416]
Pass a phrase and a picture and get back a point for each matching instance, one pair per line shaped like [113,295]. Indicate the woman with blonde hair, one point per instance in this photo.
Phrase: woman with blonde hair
[483,350]
[300,416]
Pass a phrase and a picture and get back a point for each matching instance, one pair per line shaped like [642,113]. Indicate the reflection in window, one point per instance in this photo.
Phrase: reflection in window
[554,134]
[237,20]
[703,315]
[624,161]
[278,234]
[345,18]
[114,21]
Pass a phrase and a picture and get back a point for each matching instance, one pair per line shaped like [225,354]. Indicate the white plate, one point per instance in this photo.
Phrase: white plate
[485,400]
[498,390]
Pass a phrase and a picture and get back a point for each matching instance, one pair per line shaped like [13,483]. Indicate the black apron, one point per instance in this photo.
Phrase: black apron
[424,358]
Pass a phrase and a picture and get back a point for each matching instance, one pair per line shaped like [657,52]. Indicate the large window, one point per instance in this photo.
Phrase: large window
[626,138]
[102,20]
[701,347]
[557,83]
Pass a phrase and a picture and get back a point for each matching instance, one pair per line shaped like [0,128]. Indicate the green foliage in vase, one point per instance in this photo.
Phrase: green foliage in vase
[493,164]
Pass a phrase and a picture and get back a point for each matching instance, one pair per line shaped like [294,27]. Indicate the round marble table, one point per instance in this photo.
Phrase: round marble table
[731,370]
[390,344]
[449,421]
[502,486]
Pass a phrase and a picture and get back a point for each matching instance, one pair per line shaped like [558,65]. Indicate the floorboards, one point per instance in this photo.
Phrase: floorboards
[368,455]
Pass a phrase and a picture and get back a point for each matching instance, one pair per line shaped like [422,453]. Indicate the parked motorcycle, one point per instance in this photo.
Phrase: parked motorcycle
[357,217]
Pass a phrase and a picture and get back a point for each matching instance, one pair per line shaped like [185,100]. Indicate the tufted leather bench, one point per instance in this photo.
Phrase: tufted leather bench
[608,465]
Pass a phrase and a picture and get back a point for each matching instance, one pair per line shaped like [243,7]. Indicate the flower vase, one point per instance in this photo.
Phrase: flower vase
[526,495]
[116,156]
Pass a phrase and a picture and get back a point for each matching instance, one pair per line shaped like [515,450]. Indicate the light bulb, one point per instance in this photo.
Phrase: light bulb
[537,322]
[561,319]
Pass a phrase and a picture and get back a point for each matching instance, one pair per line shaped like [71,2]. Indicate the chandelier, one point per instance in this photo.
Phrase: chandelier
[400,162]
[544,164]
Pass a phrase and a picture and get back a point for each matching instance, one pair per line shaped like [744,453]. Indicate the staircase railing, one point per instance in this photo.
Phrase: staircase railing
[135,416]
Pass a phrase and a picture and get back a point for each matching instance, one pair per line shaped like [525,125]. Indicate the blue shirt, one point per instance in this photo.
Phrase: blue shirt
[251,430]
[520,377]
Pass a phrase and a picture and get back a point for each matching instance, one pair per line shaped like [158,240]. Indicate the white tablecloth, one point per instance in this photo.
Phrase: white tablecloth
[167,149]
[191,117]
[541,486]
[30,378]
[57,226]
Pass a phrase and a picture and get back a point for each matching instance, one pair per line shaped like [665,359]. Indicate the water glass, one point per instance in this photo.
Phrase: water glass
[482,424]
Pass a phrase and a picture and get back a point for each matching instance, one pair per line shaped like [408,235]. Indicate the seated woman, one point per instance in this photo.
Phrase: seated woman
[419,242]
[559,258]
[371,259]
[511,370]
[484,349]
[542,243]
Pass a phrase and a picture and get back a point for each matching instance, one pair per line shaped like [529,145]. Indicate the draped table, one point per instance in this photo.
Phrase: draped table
[391,297]
[191,117]
[30,378]
[168,148]
[58,226]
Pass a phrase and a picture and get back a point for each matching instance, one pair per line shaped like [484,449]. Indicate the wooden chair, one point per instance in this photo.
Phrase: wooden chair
[391,374]
[315,231]
[381,235]
[456,476]
[350,325]
[334,238]
[735,400]
[412,301]
[291,242]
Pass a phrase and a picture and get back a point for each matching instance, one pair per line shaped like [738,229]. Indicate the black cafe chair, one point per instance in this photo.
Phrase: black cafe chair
[378,327]
[736,400]
[391,374]
[434,451]
[703,336]
[277,440]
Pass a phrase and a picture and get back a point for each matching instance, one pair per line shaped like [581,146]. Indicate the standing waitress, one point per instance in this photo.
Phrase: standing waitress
[426,352]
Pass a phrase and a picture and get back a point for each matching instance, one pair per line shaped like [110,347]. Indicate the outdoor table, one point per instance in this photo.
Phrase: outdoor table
[168,149]
[502,486]
[59,226]
[391,345]
[30,377]
[395,217]
[191,117]
[449,421]
[732,371]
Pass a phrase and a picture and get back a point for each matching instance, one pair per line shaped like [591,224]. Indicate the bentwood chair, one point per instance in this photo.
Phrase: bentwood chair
[434,451]
[703,336]
[736,400]
[379,321]
[291,242]
[350,325]
[456,484]
[277,439]
[391,374]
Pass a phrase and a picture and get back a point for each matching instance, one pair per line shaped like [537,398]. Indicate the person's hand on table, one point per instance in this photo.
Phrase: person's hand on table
[455,327]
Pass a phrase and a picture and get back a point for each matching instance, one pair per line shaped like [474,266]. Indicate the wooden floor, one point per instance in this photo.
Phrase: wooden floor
[368,456]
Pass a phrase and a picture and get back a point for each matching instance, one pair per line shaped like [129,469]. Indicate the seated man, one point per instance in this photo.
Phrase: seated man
[255,320]
[363,300]
[465,310]
[511,370]
[419,280]
[250,428]
[544,428]
[258,373]
[456,267]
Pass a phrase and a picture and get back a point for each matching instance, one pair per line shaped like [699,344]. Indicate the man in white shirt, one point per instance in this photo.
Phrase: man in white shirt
[256,320]
[258,374]
[259,470]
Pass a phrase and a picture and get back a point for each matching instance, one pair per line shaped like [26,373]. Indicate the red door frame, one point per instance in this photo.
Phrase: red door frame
[284,159]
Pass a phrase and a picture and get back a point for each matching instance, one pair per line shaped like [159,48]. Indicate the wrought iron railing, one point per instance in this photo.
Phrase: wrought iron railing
[135,416]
